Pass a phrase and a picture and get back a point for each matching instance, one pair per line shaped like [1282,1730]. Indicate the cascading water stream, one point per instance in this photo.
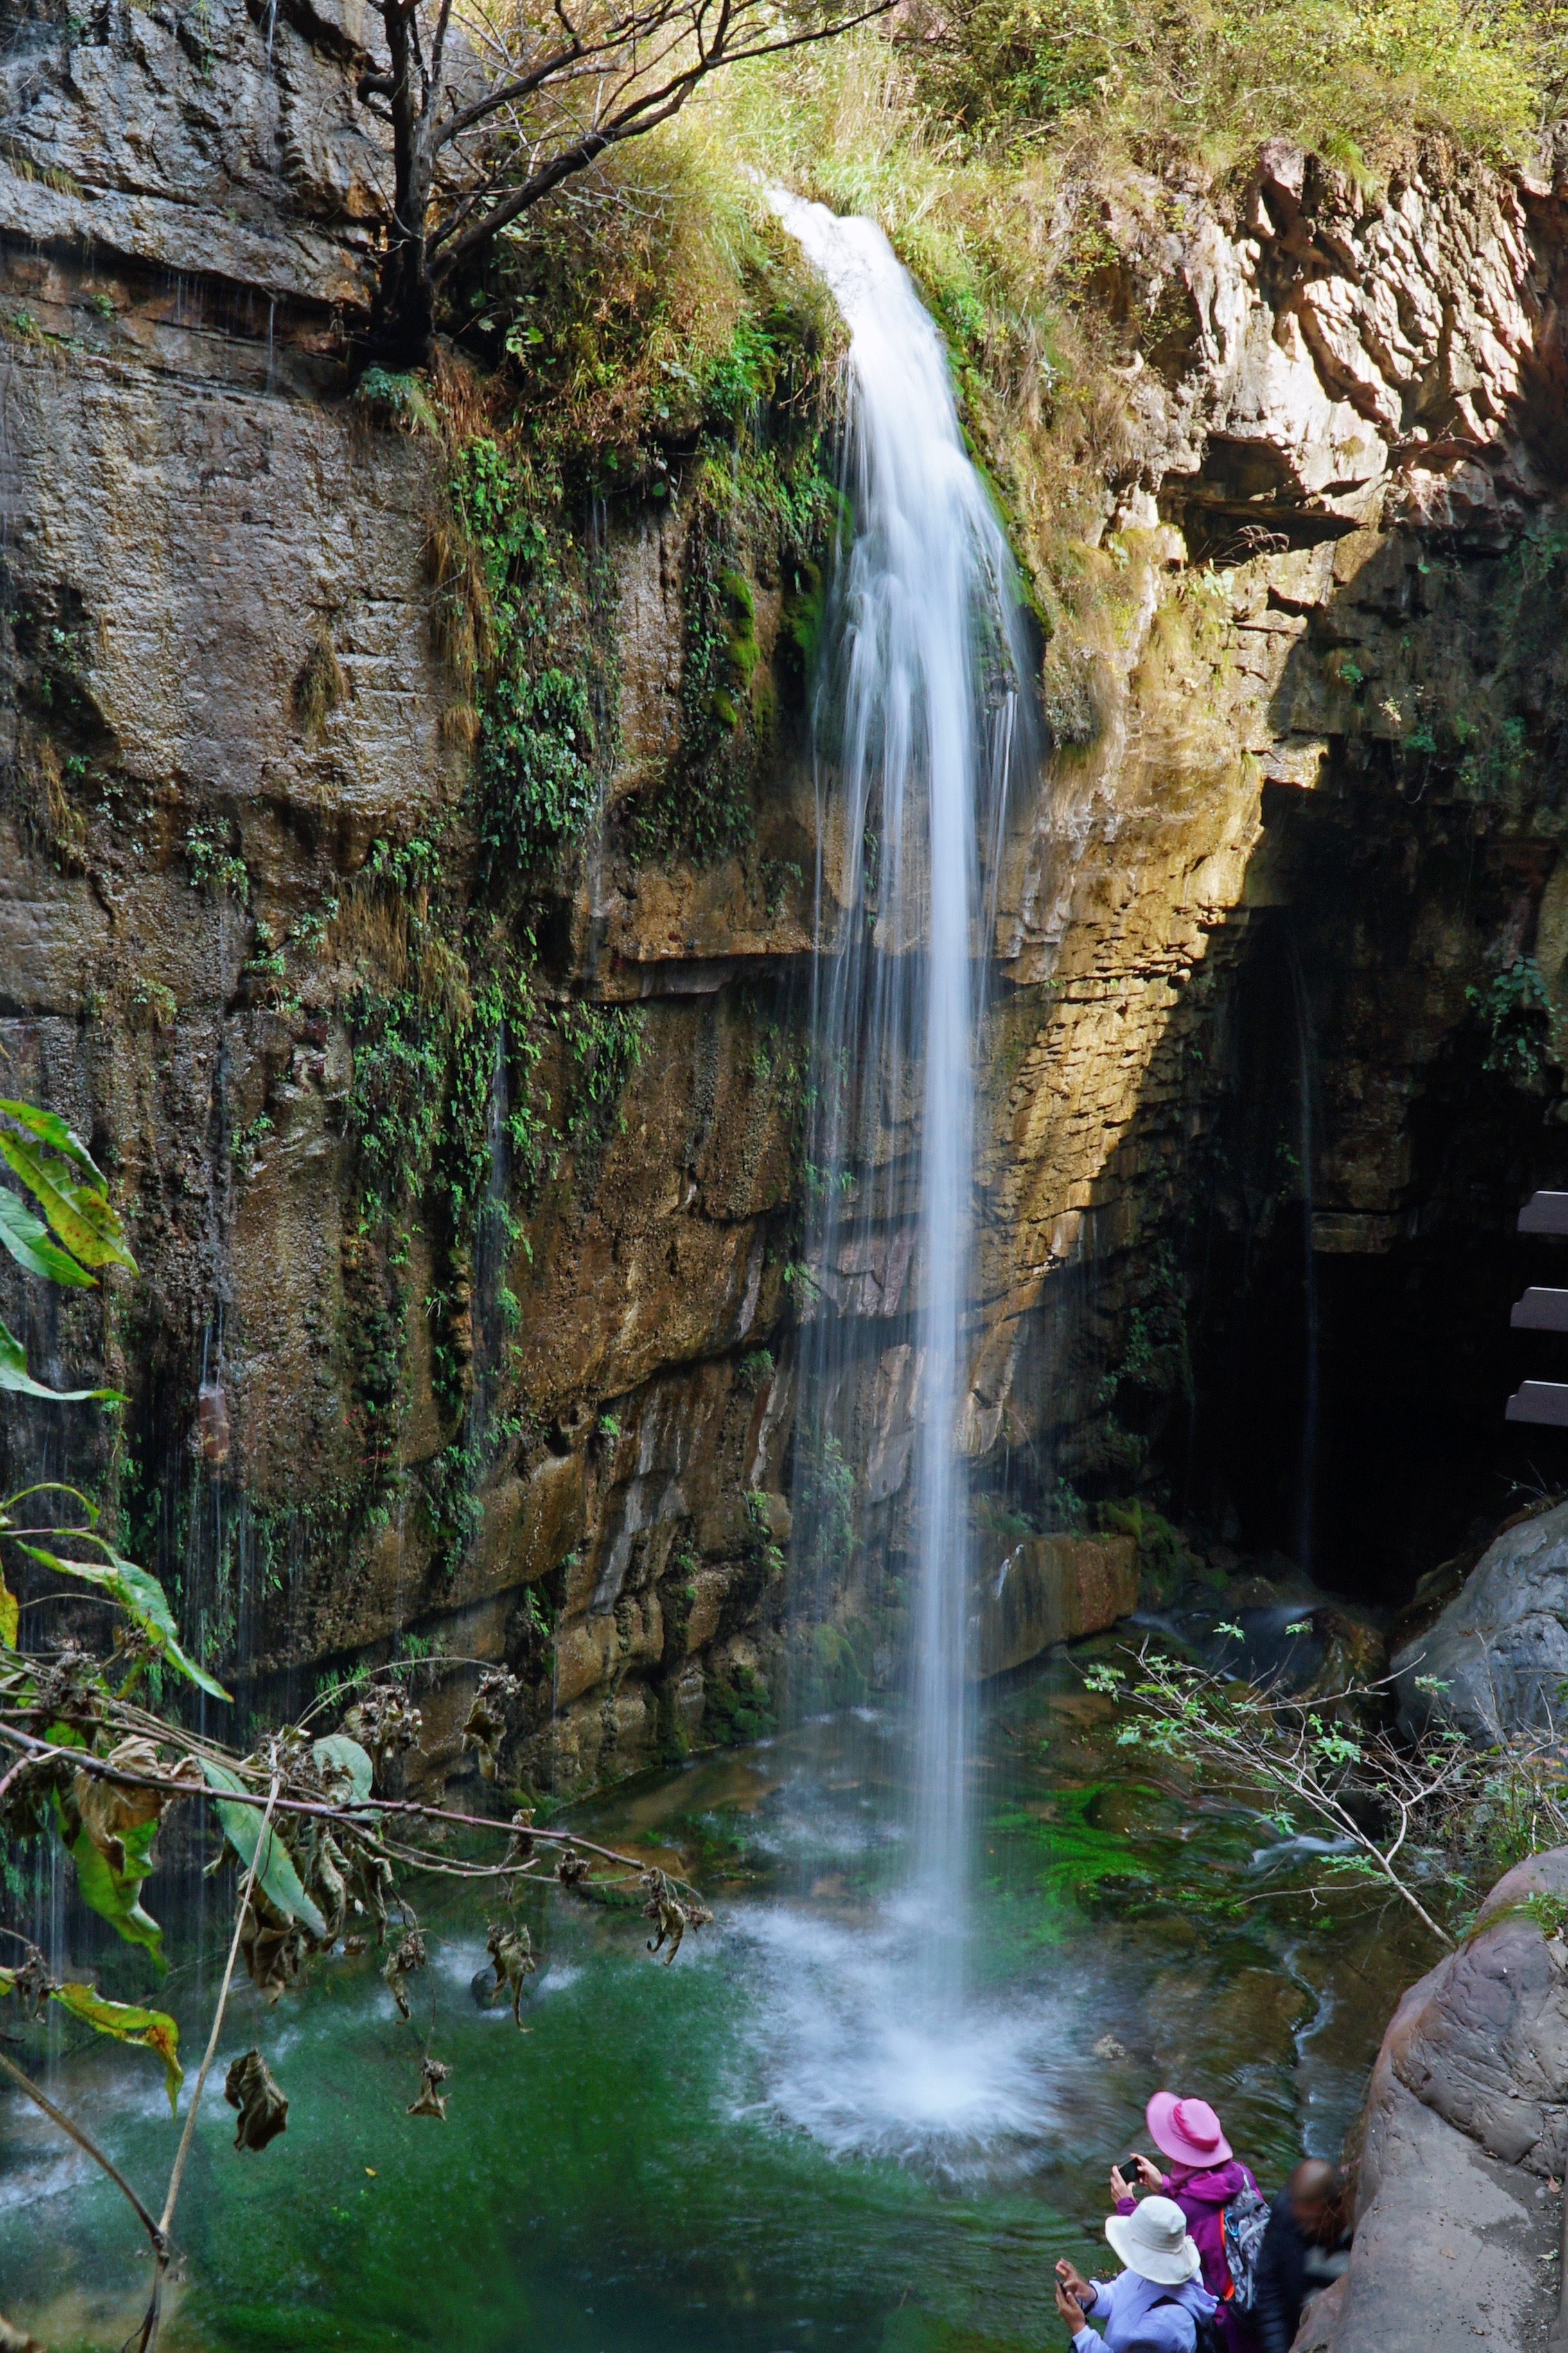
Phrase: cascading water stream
[915,731]
[1306,1057]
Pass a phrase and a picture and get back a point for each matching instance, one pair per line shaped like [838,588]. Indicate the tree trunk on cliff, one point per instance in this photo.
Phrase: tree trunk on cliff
[489,114]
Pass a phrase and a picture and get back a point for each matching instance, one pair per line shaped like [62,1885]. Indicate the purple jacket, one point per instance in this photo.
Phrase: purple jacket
[1203,2197]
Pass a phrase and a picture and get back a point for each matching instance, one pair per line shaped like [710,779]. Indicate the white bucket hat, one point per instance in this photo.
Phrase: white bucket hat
[1152,2241]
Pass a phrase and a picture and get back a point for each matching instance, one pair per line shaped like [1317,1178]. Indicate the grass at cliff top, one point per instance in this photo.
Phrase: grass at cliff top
[660,2165]
[985,140]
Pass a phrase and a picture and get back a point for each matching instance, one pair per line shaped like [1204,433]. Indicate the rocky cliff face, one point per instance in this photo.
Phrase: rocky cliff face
[1300,810]
[1458,2200]
[1283,928]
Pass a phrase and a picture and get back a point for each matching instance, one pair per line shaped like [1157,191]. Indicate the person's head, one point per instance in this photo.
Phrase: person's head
[1152,2241]
[1313,2190]
[1187,2131]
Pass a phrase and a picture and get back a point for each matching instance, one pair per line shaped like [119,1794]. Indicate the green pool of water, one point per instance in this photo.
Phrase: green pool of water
[776,2144]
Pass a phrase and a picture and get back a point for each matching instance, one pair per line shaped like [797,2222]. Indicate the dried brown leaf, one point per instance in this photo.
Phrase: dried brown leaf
[110,1809]
[430,2102]
[511,1952]
[486,1726]
[263,2109]
[271,1946]
[409,1955]
[672,1912]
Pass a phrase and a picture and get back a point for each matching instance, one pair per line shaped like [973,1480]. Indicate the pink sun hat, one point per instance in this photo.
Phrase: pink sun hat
[1187,2130]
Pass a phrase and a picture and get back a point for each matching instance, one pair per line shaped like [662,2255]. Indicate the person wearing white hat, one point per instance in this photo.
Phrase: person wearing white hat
[1156,2304]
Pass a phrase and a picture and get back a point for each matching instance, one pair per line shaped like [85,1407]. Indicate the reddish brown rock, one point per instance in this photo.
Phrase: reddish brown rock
[1053,1590]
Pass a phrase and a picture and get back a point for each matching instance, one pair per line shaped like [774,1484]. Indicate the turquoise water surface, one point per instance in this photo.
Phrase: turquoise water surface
[772,2145]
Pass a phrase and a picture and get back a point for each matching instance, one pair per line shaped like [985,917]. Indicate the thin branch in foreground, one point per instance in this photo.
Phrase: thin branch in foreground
[89,2146]
[1313,1757]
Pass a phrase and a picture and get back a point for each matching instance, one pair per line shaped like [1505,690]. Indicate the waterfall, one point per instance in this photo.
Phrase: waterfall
[1306,1056]
[914,733]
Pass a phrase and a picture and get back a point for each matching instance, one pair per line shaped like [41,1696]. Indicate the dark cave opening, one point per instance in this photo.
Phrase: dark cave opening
[1351,1369]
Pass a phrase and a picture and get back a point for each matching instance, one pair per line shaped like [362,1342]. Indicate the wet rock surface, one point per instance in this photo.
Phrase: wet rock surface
[1499,1650]
[1052,1589]
[1324,466]
[1458,2206]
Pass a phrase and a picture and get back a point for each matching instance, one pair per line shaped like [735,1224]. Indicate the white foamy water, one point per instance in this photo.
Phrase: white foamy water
[916,731]
[851,2049]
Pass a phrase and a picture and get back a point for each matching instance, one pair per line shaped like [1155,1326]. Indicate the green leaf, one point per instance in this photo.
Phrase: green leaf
[127,2022]
[276,1872]
[10,1612]
[337,1754]
[139,1593]
[81,1214]
[50,1129]
[116,1895]
[27,1240]
[15,1376]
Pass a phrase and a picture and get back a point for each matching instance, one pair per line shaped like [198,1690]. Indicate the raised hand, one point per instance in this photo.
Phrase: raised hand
[1070,2307]
[1073,2282]
[1149,2177]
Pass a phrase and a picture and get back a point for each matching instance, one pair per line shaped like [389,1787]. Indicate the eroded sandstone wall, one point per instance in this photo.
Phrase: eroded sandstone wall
[225,689]
[1326,769]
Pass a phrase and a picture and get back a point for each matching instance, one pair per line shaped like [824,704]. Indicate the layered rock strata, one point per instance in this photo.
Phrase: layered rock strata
[1337,437]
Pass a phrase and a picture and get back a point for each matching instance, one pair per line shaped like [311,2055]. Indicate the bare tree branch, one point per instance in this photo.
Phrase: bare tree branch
[558,86]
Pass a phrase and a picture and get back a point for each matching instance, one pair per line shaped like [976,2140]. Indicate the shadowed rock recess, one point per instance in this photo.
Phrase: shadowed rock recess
[1281,942]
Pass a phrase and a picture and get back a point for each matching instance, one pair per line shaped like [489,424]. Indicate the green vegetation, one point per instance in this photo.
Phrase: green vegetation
[753,514]
[1166,1562]
[1351,80]
[94,1765]
[214,865]
[673,344]
[536,773]
[737,1708]
[1515,1014]
[467,1030]
[1429,1822]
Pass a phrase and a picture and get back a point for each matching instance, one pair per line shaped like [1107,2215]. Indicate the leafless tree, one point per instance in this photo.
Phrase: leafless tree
[490,108]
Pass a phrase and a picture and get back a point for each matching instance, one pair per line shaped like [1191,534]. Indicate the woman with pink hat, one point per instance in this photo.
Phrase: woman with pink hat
[1204,2177]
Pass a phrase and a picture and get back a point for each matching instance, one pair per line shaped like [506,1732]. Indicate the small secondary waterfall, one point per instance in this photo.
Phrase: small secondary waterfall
[1306,1057]
[915,733]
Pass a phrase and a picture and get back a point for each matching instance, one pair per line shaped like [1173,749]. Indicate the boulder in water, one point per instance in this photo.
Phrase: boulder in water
[1500,1650]
[1050,1589]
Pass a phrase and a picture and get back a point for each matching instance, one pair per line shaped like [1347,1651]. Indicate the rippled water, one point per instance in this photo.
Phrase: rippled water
[771,2146]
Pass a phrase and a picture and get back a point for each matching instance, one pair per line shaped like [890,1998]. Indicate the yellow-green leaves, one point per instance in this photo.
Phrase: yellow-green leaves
[115,1894]
[111,1809]
[27,1240]
[70,1190]
[59,1173]
[139,1593]
[126,2022]
[15,1376]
